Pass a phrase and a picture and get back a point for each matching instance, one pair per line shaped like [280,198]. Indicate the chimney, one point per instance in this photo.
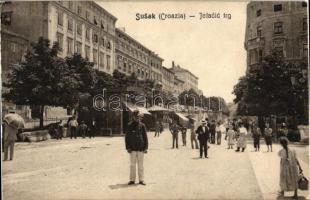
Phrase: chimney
[172,64]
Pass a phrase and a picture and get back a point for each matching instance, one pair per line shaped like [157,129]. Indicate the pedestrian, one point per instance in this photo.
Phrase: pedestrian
[220,129]
[59,130]
[283,131]
[256,134]
[157,128]
[83,129]
[289,169]
[230,135]
[203,137]
[161,127]
[241,142]
[183,132]
[91,132]
[194,141]
[10,136]
[175,132]
[212,131]
[136,145]
[268,136]
[73,124]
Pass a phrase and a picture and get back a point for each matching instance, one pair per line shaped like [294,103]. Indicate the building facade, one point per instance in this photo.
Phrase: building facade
[133,57]
[178,86]
[78,26]
[13,47]
[276,26]
[168,80]
[190,80]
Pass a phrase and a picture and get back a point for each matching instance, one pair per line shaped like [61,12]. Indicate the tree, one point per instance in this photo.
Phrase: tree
[44,79]
[270,91]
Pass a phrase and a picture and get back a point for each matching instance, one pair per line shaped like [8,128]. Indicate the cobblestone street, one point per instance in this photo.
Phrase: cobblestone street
[99,169]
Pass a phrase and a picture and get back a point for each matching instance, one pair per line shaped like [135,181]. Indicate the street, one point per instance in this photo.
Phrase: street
[99,169]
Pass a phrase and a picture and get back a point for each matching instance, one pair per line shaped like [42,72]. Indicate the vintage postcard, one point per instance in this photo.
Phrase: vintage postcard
[162,99]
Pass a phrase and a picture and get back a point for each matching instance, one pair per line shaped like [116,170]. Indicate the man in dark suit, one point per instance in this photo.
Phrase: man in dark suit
[203,137]
[136,145]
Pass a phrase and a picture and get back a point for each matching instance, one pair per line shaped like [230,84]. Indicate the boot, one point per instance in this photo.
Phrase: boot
[238,149]
[243,149]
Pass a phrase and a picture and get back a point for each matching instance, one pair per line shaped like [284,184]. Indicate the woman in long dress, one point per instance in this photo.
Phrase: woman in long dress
[289,169]
[230,136]
[241,142]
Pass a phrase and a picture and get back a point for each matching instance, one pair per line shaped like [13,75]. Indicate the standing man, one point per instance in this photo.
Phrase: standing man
[256,134]
[136,145]
[10,136]
[212,131]
[73,124]
[203,137]
[174,128]
[157,128]
[194,142]
[183,132]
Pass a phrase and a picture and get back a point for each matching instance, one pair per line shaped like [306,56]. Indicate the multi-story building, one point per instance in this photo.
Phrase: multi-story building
[78,26]
[168,80]
[178,86]
[13,47]
[276,26]
[133,57]
[190,80]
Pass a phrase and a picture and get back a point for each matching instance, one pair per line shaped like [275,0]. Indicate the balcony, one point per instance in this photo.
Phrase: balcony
[255,42]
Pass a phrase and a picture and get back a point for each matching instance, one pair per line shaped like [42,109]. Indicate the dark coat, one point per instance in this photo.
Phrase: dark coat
[136,137]
[203,136]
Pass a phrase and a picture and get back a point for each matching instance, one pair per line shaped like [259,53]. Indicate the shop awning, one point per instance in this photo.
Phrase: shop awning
[134,108]
[181,116]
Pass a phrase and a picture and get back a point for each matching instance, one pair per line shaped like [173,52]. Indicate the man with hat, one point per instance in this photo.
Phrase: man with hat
[203,137]
[136,145]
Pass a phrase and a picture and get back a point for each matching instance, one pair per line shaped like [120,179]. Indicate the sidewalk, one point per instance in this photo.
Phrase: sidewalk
[99,169]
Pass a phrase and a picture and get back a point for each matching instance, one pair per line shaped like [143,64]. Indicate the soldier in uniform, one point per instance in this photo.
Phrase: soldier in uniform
[136,145]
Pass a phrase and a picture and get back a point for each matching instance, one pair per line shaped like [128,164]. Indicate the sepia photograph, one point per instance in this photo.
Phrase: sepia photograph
[154,99]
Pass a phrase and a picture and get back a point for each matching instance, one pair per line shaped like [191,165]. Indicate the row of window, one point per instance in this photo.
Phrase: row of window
[95,37]
[278,28]
[256,55]
[140,72]
[277,8]
[86,14]
[134,50]
[87,49]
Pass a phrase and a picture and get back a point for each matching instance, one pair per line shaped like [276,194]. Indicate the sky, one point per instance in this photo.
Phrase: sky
[211,48]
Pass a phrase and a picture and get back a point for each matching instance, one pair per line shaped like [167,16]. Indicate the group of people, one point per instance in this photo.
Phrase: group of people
[206,132]
[136,141]
[74,129]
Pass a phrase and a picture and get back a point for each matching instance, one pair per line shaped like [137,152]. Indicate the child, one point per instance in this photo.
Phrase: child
[230,135]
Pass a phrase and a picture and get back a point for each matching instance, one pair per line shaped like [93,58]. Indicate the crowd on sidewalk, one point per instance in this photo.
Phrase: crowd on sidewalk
[202,136]
[291,176]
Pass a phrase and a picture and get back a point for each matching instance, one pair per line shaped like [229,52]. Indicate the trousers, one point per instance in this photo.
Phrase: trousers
[7,146]
[203,149]
[194,141]
[175,139]
[136,158]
